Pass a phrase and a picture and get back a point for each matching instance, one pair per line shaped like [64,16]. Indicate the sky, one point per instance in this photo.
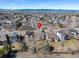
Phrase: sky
[40,4]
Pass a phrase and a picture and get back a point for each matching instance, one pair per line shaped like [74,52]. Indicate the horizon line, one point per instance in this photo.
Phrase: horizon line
[35,8]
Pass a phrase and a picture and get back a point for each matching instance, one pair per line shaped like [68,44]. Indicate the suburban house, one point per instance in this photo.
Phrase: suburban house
[7,24]
[53,37]
[10,24]
[61,35]
[13,36]
[73,32]
[14,40]
[28,24]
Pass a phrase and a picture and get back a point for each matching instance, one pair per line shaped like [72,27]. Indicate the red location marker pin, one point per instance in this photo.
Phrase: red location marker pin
[39,25]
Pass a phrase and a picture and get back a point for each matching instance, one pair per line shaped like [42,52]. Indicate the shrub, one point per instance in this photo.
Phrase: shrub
[48,48]
[2,52]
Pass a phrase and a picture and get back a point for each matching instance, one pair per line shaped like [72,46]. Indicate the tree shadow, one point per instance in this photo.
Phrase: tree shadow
[10,55]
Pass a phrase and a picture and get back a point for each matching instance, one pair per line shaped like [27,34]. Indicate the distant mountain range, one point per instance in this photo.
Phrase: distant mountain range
[47,10]
[40,10]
